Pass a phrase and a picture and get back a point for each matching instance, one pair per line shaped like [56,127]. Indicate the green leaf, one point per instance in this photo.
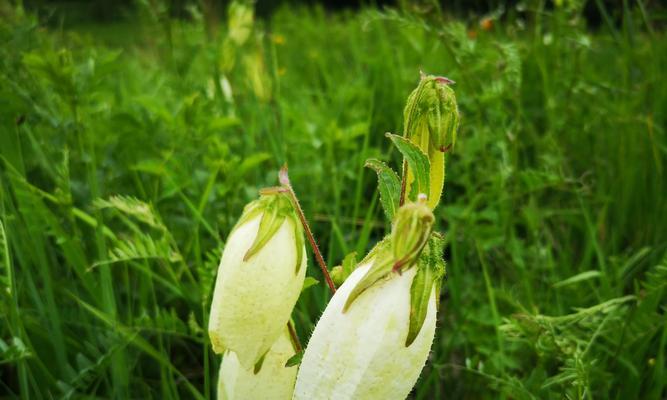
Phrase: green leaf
[308,282]
[6,277]
[294,360]
[584,276]
[389,185]
[420,294]
[418,163]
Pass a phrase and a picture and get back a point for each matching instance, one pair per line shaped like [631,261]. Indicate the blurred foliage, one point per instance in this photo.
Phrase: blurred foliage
[127,151]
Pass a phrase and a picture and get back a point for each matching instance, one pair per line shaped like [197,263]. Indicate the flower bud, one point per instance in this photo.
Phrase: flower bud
[375,334]
[431,115]
[259,279]
[412,227]
[431,118]
[362,353]
[273,380]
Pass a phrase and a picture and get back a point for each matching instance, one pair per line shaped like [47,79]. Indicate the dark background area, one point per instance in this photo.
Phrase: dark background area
[74,11]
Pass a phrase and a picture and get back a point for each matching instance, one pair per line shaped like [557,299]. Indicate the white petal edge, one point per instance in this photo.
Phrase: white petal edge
[361,354]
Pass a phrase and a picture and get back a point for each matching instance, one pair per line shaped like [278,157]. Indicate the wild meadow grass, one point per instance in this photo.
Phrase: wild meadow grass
[128,151]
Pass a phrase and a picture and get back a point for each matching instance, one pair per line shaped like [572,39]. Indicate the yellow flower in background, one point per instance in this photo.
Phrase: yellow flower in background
[278,39]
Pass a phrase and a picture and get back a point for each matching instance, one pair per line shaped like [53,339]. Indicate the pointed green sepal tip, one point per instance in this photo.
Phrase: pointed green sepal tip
[300,243]
[294,360]
[380,269]
[274,206]
[340,273]
[258,364]
[413,224]
[430,271]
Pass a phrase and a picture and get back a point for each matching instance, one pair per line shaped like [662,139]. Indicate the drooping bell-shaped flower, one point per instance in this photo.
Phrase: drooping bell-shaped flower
[375,335]
[271,380]
[259,279]
[431,118]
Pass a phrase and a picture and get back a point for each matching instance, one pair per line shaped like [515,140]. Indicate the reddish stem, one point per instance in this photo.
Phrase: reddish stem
[295,338]
[284,180]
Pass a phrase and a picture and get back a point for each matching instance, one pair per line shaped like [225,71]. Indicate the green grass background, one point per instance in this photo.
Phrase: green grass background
[128,150]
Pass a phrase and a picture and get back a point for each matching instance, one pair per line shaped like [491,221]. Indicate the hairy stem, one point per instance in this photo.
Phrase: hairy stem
[284,180]
[294,337]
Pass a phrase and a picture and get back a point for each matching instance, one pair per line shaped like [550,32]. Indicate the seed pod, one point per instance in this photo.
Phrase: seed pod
[273,380]
[259,279]
[361,353]
[431,118]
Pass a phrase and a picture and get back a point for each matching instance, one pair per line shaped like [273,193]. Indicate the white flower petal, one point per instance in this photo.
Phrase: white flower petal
[253,299]
[273,382]
[361,354]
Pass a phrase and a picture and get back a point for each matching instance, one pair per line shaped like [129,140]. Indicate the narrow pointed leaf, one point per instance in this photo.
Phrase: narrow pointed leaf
[389,185]
[418,163]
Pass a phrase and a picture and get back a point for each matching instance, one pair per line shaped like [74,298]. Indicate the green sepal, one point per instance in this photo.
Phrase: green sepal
[250,211]
[411,230]
[268,226]
[375,250]
[433,102]
[389,185]
[259,363]
[294,360]
[300,242]
[381,268]
[420,294]
[438,287]
[275,208]
[430,271]
[443,120]
[381,250]
[417,162]
[341,272]
[414,108]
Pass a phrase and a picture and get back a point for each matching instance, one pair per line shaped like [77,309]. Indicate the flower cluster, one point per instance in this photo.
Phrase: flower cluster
[375,334]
